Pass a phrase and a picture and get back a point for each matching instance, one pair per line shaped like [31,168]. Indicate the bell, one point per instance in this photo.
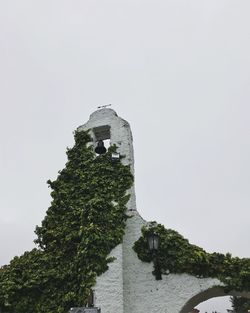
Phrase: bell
[100,148]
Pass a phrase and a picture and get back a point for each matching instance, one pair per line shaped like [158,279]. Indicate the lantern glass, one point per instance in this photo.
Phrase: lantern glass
[153,242]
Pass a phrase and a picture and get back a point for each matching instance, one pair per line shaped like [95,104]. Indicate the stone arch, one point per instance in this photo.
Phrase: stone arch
[216,291]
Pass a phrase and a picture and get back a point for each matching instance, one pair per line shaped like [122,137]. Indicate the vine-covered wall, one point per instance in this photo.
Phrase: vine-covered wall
[177,255]
[240,305]
[85,221]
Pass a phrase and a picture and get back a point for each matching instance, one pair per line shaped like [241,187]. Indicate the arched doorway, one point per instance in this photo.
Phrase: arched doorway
[213,292]
[219,304]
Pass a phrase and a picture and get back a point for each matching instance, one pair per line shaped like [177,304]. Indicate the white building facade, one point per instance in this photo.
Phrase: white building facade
[129,285]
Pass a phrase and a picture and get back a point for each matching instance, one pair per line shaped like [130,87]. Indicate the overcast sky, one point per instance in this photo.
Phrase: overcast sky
[178,71]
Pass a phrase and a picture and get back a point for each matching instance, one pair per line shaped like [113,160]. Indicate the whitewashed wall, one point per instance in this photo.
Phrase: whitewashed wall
[129,285]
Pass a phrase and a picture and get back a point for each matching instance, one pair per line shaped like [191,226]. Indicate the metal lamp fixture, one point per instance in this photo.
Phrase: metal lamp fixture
[115,157]
[153,242]
[153,245]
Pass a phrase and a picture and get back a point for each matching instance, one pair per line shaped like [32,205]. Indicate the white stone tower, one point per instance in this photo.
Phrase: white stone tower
[129,285]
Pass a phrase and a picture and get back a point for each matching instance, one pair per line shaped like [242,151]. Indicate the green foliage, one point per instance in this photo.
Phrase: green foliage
[177,255]
[85,221]
[240,305]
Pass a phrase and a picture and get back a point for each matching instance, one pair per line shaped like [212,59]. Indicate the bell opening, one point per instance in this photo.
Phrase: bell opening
[102,136]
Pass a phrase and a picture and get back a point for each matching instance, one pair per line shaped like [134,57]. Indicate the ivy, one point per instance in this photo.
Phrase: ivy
[177,255]
[240,305]
[85,221]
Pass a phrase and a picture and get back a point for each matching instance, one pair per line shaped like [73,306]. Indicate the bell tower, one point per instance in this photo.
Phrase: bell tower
[106,126]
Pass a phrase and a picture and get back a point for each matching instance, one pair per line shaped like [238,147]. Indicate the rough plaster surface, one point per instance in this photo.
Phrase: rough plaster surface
[120,135]
[129,285]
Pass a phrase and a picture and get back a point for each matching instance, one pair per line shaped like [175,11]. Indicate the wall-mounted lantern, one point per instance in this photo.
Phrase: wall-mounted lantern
[153,245]
[100,148]
[115,157]
[153,242]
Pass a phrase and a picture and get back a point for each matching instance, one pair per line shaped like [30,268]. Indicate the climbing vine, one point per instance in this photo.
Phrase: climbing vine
[177,255]
[85,221]
[240,305]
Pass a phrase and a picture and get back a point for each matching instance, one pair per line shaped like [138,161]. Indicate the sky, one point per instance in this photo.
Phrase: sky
[178,71]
